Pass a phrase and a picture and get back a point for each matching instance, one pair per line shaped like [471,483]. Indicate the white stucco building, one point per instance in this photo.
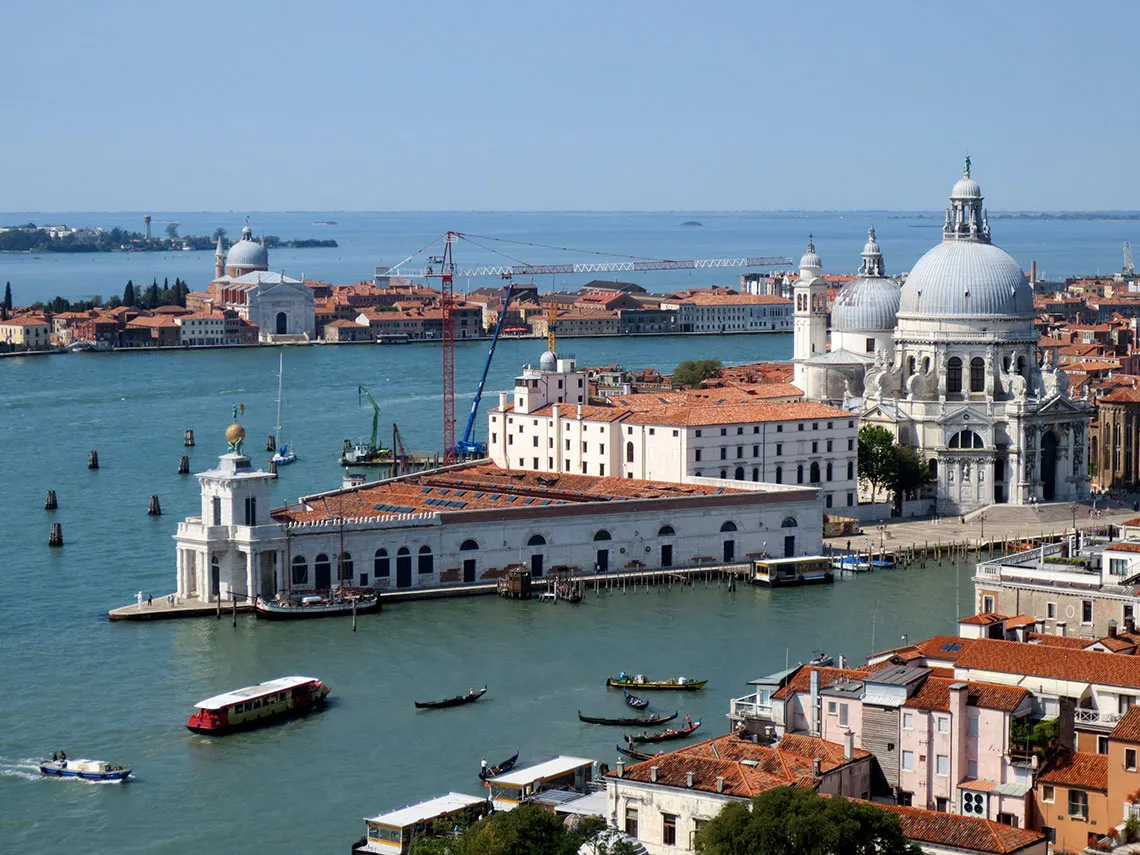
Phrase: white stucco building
[725,434]
[949,364]
[723,313]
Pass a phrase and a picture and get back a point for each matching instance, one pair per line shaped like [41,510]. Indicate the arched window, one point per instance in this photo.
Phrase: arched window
[909,366]
[828,471]
[789,522]
[728,526]
[665,531]
[403,550]
[800,474]
[322,571]
[779,474]
[954,375]
[629,452]
[468,546]
[536,540]
[723,473]
[934,468]
[380,564]
[345,565]
[966,439]
[738,475]
[977,374]
[300,570]
[755,474]
[426,564]
[815,473]
[602,535]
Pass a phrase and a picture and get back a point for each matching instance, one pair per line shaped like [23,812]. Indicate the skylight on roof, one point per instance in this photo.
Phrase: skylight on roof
[951,647]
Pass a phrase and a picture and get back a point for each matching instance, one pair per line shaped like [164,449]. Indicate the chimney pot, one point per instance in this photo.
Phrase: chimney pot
[689,780]
[817,768]
[621,768]
[849,745]
[1112,628]
[653,774]
[720,783]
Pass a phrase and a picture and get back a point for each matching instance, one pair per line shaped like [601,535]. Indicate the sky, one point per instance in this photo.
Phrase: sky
[586,105]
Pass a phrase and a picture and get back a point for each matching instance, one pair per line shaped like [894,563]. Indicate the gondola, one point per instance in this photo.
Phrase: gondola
[624,681]
[492,771]
[650,720]
[471,696]
[663,735]
[636,755]
[635,702]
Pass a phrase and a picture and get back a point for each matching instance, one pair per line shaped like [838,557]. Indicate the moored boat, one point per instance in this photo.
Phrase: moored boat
[471,696]
[664,735]
[257,706]
[491,771]
[639,681]
[631,720]
[86,770]
[784,572]
[636,755]
[314,606]
[634,701]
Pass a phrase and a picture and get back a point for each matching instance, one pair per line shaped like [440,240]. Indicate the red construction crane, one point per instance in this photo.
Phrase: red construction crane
[442,267]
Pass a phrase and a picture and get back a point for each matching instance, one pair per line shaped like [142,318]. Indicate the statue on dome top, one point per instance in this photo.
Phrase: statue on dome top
[966,170]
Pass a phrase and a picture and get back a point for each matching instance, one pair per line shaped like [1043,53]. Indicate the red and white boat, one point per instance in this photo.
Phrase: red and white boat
[257,706]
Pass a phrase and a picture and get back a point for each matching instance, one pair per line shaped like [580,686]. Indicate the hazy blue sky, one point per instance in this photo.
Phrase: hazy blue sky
[578,105]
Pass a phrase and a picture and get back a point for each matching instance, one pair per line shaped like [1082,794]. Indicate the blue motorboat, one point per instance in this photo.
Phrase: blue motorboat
[86,770]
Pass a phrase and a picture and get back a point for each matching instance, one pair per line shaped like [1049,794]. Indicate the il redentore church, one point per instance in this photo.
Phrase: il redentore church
[949,364]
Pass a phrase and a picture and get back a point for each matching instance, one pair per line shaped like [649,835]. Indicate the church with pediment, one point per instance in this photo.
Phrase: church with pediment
[949,363]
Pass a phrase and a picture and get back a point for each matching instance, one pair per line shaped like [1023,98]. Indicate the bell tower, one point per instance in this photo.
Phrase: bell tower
[810,332]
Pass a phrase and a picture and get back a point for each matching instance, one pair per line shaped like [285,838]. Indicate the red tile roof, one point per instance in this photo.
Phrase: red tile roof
[962,832]
[983,619]
[1123,547]
[1069,641]
[1077,769]
[1036,660]
[1122,395]
[935,695]
[732,414]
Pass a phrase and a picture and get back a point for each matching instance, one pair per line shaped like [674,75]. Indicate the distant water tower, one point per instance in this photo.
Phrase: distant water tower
[146,226]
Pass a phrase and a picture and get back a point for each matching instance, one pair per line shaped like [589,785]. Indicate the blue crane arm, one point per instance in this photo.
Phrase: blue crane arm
[360,390]
[467,445]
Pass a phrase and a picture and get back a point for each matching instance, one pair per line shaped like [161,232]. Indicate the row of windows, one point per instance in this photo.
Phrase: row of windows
[322,566]
[813,473]
[779,428]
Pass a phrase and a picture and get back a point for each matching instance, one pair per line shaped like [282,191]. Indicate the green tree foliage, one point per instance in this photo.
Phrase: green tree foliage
[911,473]
[692,371]
[798,821]
[172,230]
[876,457]
[526,830]
[129,294]
[219,232]
[8,296]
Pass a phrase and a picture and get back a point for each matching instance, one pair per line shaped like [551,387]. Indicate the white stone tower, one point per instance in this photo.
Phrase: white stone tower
[146,226]
[810,336]
[219,260]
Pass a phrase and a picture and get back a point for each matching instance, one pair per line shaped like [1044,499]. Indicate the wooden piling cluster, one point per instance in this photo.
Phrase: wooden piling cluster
[93,460]
[50,504]
[184,465]
[154,509]
[55,538]
[188,438]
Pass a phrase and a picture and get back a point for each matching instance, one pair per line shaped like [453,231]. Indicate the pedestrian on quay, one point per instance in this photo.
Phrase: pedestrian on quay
[138,599]
[149,600]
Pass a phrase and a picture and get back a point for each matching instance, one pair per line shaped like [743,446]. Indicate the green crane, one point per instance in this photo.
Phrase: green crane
[360,390]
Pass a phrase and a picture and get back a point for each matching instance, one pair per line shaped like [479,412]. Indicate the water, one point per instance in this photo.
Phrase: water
[122,692]
[1060,247]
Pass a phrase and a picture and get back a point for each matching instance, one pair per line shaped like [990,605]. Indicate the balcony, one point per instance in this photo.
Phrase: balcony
[749,706]
[1024,753]
[1096,718]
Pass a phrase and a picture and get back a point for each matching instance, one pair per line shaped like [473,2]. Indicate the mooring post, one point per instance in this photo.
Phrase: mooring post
[55,538]
[271,443]
[50,504]
[93,460]
[354,614]
[273,468]
[155,509]
[188,438]
[234,601]
[184,465]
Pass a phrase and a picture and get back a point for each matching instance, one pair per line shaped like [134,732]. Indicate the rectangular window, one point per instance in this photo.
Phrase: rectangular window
[535,463]
[972,769]
[1051,611]
[908,761]
[250,510]
[1102,745]
[829,445]
[631,821]
[843,715]
[583,448]
[972,726]
[1117,566]
[832,706]
[535,443]
[652,432]
[987,604]
[510,439]
[850,500]
[739,431]
[724,431]
[908,721]
[779,428]
[724,454]
[1086,611]
[755,451]
[942,724]
[739,451]
[676,433]
[494,438]
[850,445]
[602,469]
[217,507]
[669,829]
[779,449]
[942,765]
[1078,804]
[697,432]
[814,447]
[1130,759]
[1047,793]
[697,454]
[942,805]
[828,500]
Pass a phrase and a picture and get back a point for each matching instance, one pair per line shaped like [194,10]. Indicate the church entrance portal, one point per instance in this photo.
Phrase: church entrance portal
[1048,466]
[282,323]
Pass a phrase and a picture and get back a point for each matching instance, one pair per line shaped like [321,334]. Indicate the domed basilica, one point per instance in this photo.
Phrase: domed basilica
[948,363]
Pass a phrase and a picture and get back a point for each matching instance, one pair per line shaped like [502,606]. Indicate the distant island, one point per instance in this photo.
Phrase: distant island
[692,223]
[29,237]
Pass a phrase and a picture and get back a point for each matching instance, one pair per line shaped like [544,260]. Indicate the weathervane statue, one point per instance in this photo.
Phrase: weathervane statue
[966,171]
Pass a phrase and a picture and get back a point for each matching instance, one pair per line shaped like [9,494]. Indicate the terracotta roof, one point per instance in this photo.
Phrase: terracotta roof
[1116,644]
[149,321]
[1035,660]
[570,411]
[983,619]
[962,832]
[1046,640]
[483,486]
[1019,621]
[801,680]
[747,768]
[1128,728]
[1077,769]
[732,414]
[1135,521]
[935,695]
[734,300]
[345,323]
[1123,547]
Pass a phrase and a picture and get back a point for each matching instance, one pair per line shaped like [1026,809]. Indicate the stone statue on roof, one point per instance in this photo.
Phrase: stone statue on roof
[966,170]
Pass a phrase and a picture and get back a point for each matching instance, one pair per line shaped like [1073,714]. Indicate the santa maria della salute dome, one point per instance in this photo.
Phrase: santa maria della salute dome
[949,364]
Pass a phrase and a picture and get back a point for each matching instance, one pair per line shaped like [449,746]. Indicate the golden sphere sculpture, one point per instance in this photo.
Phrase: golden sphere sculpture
[235,433]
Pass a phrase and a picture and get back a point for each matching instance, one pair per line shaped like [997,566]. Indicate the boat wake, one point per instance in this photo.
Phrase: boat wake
[27,769]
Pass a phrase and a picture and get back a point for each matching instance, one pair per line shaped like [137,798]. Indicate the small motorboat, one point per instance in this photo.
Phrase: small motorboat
[639,681]
[86,770]
[284,456]
[664,735]
[636,702]
[504,767]
[821,660]
[633,721]
[471,696]
[636,755]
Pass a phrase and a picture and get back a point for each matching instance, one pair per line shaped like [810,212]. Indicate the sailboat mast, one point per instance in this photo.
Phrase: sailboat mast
[280,381]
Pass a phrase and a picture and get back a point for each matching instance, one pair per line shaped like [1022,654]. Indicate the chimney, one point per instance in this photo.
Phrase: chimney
[813,714]
[579,412]
[1065,724]
[842,661]
[689,780]
[1112,628]
[1032,272]
[1060,627]
[502,400]
[621,768]
[653,774]
[849,745]
[1130,624]
[720,783]
[817,768]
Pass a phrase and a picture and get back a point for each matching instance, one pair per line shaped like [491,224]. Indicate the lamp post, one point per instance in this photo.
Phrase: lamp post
[982,520]
[1073,507]
[882,538]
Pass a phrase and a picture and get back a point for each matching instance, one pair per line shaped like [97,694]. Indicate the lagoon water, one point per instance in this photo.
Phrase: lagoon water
[122,692]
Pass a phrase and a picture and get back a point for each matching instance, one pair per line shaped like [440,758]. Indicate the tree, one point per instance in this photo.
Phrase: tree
[172,230]
[911,473]
[798,821]
[8,296]
[876,457]
[692,371]
[129,294]
[526,830]
[219,232]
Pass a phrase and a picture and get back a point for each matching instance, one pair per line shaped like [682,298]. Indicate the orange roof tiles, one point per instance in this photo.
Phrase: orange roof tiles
[1123,547]
[1069,641]
[1036,660]
[1128,728]
[1123,395]
[759,411]
[983,619]
[969,833]
[1077,769]
[935,695]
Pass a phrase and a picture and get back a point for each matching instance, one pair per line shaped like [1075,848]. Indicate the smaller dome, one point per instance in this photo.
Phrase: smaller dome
[549,361]
[810,264]
[235,433]
[866,304]
[966,188]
